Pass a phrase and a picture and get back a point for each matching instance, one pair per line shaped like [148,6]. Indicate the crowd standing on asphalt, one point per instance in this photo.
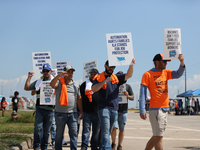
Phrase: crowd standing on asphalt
[96,102]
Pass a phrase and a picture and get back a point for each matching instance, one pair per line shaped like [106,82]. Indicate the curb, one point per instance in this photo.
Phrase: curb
[26,145]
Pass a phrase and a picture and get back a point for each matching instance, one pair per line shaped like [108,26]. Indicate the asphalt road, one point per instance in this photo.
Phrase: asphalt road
[182,133]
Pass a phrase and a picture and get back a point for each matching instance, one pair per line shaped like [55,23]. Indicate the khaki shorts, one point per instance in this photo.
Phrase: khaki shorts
[158,120]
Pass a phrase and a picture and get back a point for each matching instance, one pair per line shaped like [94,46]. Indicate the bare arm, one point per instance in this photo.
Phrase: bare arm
[130,97]
[33,92]
[53,83]
[181,58]
[130,70]
[99,85]
[27,83]
[79,102]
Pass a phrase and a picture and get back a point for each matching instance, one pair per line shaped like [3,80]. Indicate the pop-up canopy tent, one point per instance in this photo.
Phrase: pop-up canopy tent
[195,93]
[183,94]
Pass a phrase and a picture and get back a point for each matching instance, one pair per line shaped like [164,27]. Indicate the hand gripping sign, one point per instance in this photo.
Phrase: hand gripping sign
[172,43]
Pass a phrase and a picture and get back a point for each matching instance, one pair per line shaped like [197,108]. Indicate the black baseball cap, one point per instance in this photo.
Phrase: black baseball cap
[159,57]
[94,70]
[107,64]
[119,72]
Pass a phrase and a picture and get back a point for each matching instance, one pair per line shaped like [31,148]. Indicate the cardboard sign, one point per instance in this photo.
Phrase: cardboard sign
[172,43]
[40,58]
[87,66]
[120,49]
[122,99]
[47,95]
[59,65]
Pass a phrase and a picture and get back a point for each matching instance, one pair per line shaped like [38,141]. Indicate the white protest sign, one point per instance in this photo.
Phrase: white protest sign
[40,58]
[120,49]
[122,98]
[87,66]
[47,96]
[59,65]
[172,43]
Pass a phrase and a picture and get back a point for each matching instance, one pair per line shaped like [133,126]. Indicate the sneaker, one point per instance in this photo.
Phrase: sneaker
[113,145]
[119,147]
[83,148]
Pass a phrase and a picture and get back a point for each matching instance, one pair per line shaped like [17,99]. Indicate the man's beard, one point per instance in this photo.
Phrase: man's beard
[109,74]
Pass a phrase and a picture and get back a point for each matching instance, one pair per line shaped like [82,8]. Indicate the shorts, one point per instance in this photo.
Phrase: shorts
[158,120]
[121,121]
[3,108]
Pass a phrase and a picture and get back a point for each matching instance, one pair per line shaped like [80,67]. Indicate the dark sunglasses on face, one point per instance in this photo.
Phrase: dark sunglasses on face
[45,71]
[112,67]
[164,61]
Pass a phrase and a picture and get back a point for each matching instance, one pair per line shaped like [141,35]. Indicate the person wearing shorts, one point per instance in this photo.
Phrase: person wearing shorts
[122,117]
[156,80]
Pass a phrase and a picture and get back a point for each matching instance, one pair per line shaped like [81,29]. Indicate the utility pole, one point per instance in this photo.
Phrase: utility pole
[185,88]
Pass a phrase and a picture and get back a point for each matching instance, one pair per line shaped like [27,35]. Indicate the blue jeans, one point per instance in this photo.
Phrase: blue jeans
[53,130]
[71,119]
[121,121]
[88,119]
[107,119]
[43,121]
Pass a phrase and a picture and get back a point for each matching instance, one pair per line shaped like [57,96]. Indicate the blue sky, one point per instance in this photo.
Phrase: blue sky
[76,31]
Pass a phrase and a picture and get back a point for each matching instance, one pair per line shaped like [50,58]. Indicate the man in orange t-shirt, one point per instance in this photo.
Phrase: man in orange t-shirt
[156,80]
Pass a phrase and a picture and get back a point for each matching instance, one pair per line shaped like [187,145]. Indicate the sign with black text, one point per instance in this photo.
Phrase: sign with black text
[172,43]
[40,58]
[47,95]
[120,49]
[122,99]
[87,66]
[59,65]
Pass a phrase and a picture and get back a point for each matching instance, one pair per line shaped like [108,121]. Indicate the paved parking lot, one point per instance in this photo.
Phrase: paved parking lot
[182,133]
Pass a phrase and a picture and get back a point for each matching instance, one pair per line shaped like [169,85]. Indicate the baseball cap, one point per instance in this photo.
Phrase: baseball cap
[94,70]
[119,72]
[46,66]
[159,57]
[107,64]
[68,67]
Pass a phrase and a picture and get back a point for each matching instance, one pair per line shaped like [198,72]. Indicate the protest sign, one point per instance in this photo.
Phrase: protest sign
[47,95]
[87,66]
[59,65]
[172,43]
[122,98]
[120,49]
[40,58]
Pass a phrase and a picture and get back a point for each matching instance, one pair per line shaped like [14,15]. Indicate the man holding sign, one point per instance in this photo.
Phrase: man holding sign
[108,84]
[44,112]
[156,81]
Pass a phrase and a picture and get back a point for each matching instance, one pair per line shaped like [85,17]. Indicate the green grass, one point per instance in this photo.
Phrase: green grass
[13,132]
[7,141]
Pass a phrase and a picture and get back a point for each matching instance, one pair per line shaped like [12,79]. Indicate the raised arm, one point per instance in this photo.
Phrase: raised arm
[27,83]
[130,70]
[53,83]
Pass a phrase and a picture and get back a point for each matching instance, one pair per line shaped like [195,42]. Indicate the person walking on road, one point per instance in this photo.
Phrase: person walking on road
[156,80]
[122,117]
[108,84]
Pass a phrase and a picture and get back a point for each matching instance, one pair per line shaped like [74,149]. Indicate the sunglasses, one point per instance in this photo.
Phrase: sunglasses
[164,61]
[45,71]
[112,67]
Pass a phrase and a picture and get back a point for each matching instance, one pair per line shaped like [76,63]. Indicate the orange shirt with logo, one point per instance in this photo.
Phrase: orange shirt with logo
[157,83]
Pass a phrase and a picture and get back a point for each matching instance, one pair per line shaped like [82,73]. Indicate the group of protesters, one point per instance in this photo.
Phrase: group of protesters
[97,103]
